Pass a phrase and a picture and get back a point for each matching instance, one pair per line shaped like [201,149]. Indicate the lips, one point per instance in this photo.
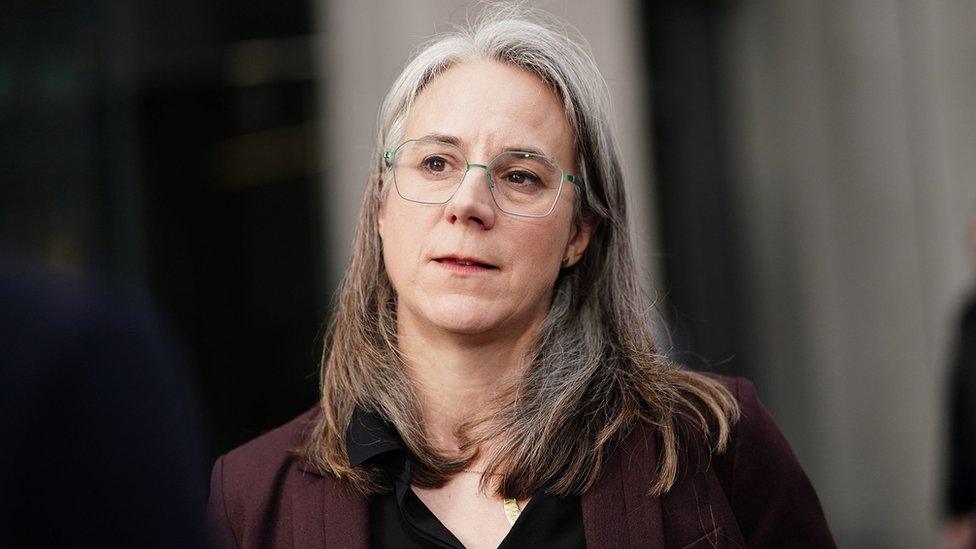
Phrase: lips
[464,261]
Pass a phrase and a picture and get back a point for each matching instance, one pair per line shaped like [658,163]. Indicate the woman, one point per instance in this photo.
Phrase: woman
[489,378]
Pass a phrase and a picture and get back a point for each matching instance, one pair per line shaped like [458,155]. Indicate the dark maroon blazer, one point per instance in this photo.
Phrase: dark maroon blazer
[754,495]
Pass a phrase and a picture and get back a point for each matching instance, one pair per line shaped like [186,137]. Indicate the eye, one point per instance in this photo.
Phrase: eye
[521,178]
[435,164]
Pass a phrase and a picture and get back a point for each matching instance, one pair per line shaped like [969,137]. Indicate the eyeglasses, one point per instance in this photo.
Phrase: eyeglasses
[524,184]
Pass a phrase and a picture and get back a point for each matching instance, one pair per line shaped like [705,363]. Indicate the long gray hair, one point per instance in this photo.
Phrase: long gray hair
[594,371]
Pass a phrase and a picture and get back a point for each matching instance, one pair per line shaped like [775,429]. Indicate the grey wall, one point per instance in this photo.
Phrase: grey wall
[855,135]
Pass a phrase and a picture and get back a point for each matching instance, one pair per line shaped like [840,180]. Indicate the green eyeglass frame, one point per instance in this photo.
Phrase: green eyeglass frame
[390,155]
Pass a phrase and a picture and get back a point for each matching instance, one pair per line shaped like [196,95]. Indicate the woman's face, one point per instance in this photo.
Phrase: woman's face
[488,108]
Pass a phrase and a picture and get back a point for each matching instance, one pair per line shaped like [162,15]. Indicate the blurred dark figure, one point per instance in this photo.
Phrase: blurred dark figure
[961,530]
[99,445]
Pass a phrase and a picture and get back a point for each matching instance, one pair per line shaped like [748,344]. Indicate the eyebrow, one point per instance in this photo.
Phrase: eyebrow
[456,141]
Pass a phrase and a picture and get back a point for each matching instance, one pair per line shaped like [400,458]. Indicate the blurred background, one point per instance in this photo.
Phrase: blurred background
[800,177]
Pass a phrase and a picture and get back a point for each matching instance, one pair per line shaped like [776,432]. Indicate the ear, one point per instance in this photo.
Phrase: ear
[579,240]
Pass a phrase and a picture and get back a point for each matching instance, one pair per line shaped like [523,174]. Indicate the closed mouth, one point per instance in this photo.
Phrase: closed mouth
[465,262]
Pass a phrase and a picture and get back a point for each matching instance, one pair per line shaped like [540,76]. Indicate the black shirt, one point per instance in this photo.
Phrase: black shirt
[399,519]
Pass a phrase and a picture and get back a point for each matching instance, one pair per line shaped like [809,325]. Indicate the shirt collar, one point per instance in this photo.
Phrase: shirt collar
[369,435]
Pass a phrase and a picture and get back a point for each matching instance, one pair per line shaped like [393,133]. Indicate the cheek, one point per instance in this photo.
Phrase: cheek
[403,238]
[394,242]
[537,253]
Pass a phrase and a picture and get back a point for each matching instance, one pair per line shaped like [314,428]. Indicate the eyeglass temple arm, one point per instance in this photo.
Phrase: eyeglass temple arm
[578,181]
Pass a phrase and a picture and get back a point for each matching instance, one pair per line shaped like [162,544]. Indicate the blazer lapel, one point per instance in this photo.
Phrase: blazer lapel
[616,511]
[326,513]
[699,514]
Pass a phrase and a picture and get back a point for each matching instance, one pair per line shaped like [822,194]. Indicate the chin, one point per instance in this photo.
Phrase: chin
[463,314]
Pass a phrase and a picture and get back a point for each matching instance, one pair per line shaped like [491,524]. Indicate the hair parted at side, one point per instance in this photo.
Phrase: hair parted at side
[596,371]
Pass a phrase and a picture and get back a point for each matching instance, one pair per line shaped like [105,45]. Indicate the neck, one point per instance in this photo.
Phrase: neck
[456,375]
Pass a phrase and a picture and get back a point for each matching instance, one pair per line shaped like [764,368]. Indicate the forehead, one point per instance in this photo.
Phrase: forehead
[491,106]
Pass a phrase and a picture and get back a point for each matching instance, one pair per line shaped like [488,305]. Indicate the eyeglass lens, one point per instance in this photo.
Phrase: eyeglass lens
[521,183]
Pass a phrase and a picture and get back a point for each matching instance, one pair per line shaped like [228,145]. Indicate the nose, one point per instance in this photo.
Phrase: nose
[472,201]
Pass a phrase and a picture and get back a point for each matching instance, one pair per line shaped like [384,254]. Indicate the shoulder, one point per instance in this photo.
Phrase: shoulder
[771,496]
[263,455]
[248,483]
[754,423]
[734,384]
[755,438]
[746,408]
[256,465]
